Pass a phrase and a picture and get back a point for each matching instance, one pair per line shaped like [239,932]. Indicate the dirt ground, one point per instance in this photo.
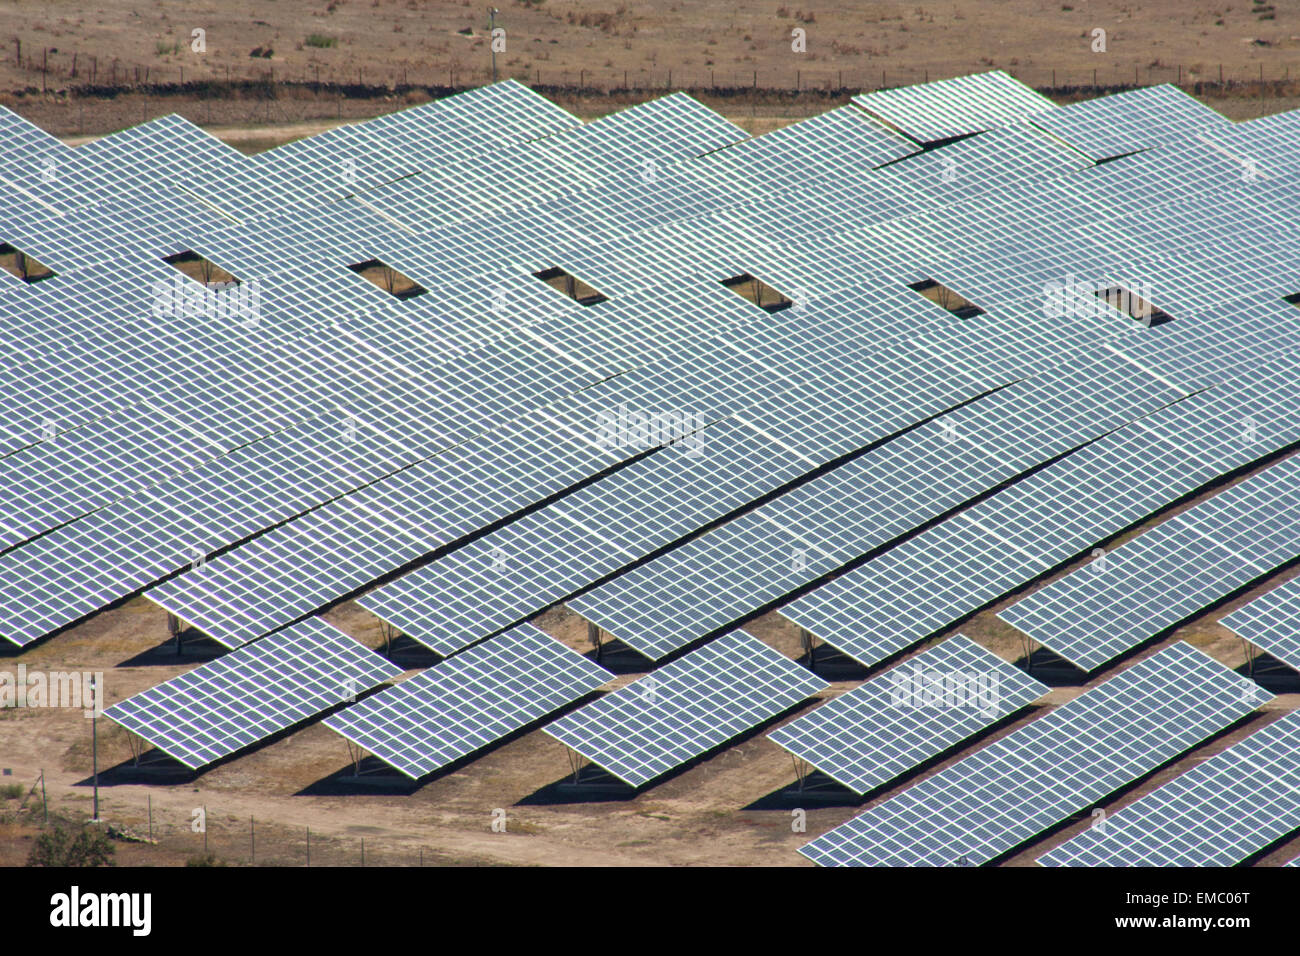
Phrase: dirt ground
[701,41]
[79,74]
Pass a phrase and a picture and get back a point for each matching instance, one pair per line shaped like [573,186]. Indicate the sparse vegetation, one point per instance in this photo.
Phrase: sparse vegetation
[66,845]
[320,41]
[208,859]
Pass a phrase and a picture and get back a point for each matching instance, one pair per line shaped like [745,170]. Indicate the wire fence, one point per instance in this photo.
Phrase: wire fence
[66,71]
[207,835]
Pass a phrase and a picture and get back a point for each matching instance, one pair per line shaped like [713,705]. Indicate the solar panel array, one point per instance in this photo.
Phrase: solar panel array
[954,568]
[1123,123]
[238,700]
[463,704]
[956,107]
[988,803]
[934,404]
[691,185]
[766,554]
[685,708]
[510,574]
[1168,573]
[1219,813]
[896,721]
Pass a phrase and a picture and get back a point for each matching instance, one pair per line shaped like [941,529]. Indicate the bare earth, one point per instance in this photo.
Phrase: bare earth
[701,41]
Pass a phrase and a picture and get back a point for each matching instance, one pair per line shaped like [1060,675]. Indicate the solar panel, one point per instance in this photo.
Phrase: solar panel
[1222,811]
[1121,123]
[1167,573]
[994,160]
[897,720]
[468,701]
[355,157]
[1271,621]
[231,703]
[511,574]
[685,708]
[851,236]
[954,568]
[767,553]
[801,151]
[965,104]
[380,528]
[988,803]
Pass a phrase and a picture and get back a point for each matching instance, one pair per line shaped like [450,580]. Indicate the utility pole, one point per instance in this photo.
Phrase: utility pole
[94,741]
[492,39]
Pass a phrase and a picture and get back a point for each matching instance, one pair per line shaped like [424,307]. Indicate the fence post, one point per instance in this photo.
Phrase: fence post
[45,806]
[151,818]
[252,842]
[309,846]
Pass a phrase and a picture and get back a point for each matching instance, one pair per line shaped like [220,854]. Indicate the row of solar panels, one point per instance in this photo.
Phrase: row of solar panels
[466,702]
[978,809]
[637,757]
[132,581]
[278,571]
